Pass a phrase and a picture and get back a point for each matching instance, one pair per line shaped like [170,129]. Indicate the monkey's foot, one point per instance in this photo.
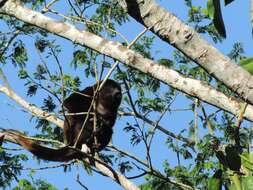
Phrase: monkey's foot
[85,149]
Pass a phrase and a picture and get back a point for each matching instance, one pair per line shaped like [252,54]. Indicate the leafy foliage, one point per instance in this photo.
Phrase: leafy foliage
[247,64]
[10,167]
[214,12]
[213,161]
[19,54]
[38,184]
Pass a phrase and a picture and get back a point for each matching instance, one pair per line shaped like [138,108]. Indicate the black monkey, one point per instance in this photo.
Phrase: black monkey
[106,101]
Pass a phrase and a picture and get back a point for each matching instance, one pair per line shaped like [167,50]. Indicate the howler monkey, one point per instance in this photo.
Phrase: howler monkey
[78,104]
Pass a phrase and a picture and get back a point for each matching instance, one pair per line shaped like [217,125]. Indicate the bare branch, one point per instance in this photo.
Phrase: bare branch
[196,127]
[209,124]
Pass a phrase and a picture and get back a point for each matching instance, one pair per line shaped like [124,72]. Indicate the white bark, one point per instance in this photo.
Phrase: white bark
[2,2]
[174,31]
[117,51]
[31,108]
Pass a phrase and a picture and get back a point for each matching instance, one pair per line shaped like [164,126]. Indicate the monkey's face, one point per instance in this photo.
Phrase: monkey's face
[109,98]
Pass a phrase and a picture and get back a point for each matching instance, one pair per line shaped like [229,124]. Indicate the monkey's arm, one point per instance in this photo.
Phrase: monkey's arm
[59,155]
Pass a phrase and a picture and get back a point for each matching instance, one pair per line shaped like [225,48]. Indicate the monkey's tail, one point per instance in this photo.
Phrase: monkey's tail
[58,155]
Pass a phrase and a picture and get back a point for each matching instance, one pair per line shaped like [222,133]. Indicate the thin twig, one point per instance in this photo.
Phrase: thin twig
[113,148]
[196,135]
[160,118]
[15,34]
[154,171]
[239,117]
[117,62]
[87,22]
[46,8]
[189,142]
[209,125]
[80,183]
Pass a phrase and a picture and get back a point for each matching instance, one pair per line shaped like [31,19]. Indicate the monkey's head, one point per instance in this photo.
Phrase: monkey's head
[109,98]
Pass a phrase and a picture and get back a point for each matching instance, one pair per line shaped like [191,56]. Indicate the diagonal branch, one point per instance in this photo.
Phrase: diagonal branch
[99,165]
[121,53]
[154,124]
[174,31]
[31,108]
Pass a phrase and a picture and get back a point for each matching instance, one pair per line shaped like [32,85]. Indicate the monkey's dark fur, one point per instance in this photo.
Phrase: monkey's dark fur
[107,101]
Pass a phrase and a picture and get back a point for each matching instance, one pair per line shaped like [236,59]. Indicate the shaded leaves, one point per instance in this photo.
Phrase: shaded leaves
[19,54]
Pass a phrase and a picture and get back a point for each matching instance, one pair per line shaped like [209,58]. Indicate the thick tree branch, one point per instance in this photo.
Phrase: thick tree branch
[31,108]
[172,30]
[105,169]
[99,165]
[117,51]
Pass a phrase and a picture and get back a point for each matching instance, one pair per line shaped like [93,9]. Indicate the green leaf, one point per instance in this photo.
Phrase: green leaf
[205,12]
[236,185]
[210,9]
[228,2]
[166,62]
[214,12]
[247,161]
[41,44]
[37,184]
[22,74]
[32,89]
[87,168]
[247,64]
[215,182]
[19,55]
[247,183]
[218,20]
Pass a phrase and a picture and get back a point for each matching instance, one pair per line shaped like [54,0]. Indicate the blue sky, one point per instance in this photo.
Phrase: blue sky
[237,21]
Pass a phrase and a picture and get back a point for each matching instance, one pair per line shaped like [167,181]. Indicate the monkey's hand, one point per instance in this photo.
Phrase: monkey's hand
[85,149]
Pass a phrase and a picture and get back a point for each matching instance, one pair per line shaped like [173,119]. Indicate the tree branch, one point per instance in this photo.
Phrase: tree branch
[31,108]
[189,142]
[174,31]
[101,166]
[2,3]
[117,51]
